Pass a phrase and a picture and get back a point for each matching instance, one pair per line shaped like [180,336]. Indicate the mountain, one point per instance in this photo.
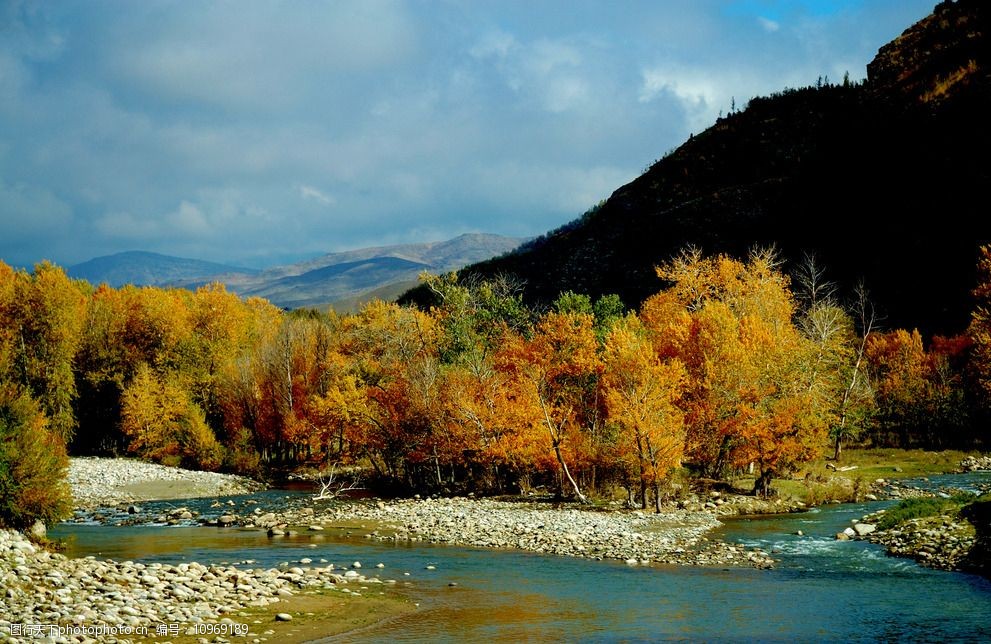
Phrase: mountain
[142,268]
[886,181]
[347,279]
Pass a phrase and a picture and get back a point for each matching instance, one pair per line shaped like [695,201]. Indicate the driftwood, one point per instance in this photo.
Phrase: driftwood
[847,468]
[331,489]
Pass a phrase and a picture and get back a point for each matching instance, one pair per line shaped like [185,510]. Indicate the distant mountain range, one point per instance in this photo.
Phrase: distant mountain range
[148,269]
[888,181]
[342,280]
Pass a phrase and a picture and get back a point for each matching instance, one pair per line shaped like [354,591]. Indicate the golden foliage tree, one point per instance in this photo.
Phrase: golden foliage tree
[641,392]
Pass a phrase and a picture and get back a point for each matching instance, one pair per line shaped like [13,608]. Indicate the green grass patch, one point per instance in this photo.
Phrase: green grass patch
[891,463]
[923,507]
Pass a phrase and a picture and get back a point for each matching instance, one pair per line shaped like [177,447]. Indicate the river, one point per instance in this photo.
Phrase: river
[821,589]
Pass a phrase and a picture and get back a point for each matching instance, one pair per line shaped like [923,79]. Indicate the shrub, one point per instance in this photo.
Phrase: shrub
[33,464]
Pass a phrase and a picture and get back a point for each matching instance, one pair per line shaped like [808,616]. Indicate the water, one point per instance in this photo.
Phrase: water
[821,589]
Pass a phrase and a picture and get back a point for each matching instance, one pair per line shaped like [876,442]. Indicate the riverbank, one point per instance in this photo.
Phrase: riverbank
[127,601]
[929,525]
[678,536]
[112,482]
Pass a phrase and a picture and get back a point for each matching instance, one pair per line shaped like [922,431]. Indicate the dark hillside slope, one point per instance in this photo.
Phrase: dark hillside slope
[886,181]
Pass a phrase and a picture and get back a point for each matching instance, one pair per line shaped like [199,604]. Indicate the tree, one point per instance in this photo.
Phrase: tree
[979,330]
[46,315]
[748,403]
[163,423]
[557,369]
[33,463]
[641,393]
[836,375]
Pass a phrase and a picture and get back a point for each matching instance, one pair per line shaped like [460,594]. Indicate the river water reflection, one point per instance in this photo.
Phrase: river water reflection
[821,589]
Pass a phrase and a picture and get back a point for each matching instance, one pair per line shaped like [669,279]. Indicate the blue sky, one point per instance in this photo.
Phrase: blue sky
[257,132]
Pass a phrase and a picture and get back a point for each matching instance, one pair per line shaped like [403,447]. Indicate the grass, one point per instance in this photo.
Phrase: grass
[921,508]
[891,463]
[815,483]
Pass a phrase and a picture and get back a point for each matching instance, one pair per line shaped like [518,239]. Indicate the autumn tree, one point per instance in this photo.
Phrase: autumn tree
[557,369]
[837,374]
[919,392]
[33,460]
[164,424]
[748,403]
[641,392]
[484,423]
[394,355]
[45,317]
[33,463]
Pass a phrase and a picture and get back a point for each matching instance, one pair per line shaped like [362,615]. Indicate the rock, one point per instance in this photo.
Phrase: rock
[283,617]
[356,564]
[133,509]
[849,532]
[226,520]
[842,536]
[38,530]
[800,533]
[316,528]
[266,520]
[864,529]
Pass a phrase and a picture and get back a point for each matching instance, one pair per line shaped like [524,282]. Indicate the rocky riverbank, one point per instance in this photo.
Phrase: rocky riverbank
[103,601]
[945,540]
[677,536]
[638,538]
[112,482]
[942,542]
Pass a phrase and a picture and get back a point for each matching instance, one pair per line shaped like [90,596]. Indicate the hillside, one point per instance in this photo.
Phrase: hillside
[143,268]
[885,181]
[345,280]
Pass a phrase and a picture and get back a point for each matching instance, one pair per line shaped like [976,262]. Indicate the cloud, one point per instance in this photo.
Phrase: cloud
[701,94]
[311,193]
[770,26]
[261,56]
[223,130]
[551,74]
[31,212]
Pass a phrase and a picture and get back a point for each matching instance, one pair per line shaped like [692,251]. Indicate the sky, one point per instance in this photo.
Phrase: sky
[257,133]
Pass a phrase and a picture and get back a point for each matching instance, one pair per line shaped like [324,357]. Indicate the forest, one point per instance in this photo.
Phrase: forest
[733,365]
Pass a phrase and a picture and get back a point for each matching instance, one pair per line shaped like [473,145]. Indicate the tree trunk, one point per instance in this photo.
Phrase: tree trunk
[556,442]
[839,448]
[762,485]
[567,474]
[657,496]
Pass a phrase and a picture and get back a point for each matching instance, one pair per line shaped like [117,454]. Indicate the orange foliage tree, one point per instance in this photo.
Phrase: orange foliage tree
[748,403]
[557,370]
[641,392]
